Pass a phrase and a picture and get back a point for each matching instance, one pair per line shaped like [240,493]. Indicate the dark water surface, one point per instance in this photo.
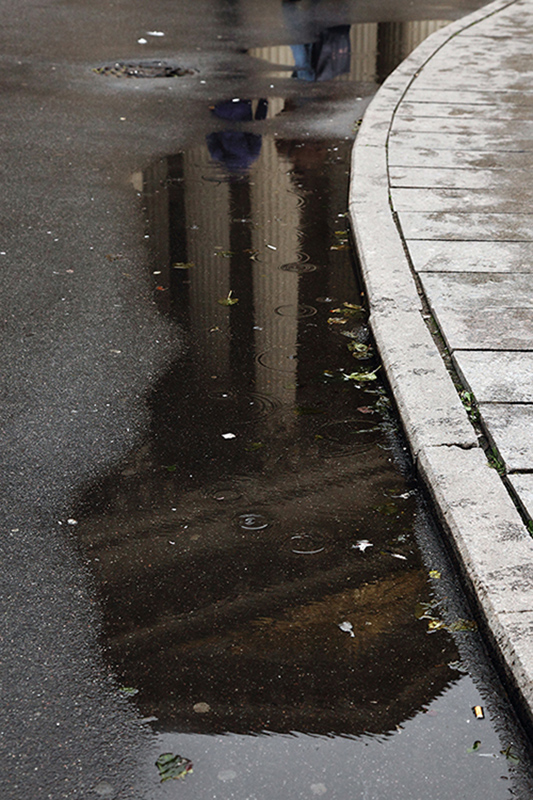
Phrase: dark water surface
[273,588]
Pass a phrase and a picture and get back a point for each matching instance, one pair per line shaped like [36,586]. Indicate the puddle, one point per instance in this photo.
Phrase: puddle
[258,557]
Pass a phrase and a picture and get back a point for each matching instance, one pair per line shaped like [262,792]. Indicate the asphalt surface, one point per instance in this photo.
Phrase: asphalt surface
[82,343]
[441,170]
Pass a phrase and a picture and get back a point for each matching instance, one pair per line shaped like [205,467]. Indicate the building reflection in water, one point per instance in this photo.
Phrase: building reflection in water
[228,547]
[325,47]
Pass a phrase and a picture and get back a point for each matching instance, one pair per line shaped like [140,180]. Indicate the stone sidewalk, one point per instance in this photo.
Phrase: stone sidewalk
[441,206]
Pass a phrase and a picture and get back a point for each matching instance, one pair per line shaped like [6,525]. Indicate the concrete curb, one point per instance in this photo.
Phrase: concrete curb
[493,547]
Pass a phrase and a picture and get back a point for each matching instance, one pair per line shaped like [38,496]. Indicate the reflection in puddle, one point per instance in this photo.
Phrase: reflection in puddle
[255,530]
[257,557]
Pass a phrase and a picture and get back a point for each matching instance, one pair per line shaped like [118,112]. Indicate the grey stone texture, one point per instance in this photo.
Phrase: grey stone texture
[441,205]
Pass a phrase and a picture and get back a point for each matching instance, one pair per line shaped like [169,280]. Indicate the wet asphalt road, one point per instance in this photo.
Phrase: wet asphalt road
[82,341]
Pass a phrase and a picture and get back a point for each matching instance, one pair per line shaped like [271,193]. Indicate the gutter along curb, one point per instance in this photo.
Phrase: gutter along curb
[490,540]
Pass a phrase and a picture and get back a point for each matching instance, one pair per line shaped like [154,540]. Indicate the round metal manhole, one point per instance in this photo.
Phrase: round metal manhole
[143,69]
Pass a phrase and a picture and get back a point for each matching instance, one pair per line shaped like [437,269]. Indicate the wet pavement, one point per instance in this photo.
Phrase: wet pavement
[213,544]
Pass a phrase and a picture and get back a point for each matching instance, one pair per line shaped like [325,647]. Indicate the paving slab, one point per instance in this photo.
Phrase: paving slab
[465,226]
[479,291]
[446,256]
[471,95]
[522,484]
[463,200]
[464,329]
[449,177]
[449,127]
[402,154]
[436,108]
[497,142]
[458,199]
[496,377]
[510,426]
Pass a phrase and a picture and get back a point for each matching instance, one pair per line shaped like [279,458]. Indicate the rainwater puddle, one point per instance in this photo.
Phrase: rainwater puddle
[261,580]
[271,583]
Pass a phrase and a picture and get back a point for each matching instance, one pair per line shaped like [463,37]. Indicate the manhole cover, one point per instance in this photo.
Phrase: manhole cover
[143,69]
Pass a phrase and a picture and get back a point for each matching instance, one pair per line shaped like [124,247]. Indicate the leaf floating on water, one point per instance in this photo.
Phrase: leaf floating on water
[423,610]
[434,573]
[359,350]
[183,264]
[475,746]
[462,625]
[436,625]
[360,377]
[348,311]
[353,307]
[172,766]
[337,321]
[350,334]
[171,467]
[229,300]
[129,691]
[509,755]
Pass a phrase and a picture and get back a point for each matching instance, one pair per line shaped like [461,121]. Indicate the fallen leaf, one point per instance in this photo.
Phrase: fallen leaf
[434,573]
[360,376]
[337,321]
[462,625]
[172,766]
[509,755]
[474,747]
[229,300]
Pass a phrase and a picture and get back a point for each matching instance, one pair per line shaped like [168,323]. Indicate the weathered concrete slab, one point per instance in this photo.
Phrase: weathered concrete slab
[439,109]
[502,80]
[522,484]
[464,329]
[424,392]
[402,154]
[465,226]
[510,426]
[445,256]
[485,526]
[492,127]
[457,200]
[496,377]
[496,142]
[470,94]
[462,178]
[478,291]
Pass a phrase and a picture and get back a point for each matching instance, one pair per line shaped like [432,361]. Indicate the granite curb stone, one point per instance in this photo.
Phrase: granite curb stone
[486,530]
